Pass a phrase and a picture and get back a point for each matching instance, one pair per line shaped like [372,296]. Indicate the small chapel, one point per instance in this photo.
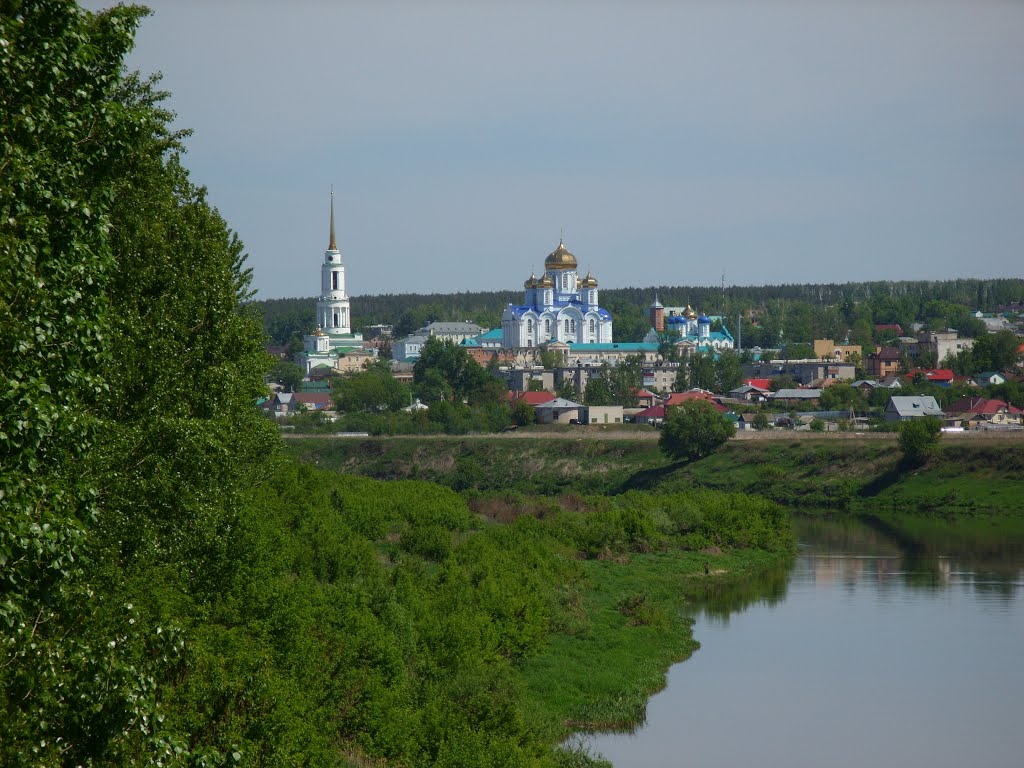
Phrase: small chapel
[558,306]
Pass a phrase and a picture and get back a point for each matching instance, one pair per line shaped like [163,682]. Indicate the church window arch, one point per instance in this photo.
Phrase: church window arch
[334,281]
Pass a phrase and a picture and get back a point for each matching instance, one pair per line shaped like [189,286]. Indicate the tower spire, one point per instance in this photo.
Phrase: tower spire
[333,245]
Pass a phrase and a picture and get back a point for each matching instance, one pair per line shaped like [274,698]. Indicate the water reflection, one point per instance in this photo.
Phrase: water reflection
[886,641]
[717,599]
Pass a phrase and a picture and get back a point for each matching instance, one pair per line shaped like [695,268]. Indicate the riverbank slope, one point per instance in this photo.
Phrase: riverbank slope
[850,475]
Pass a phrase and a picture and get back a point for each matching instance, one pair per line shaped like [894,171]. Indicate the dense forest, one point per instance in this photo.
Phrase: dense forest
[174,591]
[773,315]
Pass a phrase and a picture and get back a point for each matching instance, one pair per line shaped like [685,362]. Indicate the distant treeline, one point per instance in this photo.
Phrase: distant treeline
[773,314]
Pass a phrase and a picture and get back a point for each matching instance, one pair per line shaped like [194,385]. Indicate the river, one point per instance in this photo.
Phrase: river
[880,648]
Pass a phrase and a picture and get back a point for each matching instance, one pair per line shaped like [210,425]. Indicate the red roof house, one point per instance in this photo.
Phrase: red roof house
[531,398]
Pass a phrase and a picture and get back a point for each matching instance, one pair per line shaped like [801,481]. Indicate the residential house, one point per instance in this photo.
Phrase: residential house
[826,349]
[678,398]
[312,401]
[645,398]
[750,394]
[558,411]
[943,377]
[883,362]
[866,386]
[653,415]
[906,407]
[531,398]
[795,397]
[989,377]
[983,413]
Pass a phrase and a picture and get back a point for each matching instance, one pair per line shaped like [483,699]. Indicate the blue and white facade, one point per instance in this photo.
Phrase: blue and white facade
[558,306]
[684,324]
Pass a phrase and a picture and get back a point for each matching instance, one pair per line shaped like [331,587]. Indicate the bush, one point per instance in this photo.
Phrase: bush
[919,439]
[694,430]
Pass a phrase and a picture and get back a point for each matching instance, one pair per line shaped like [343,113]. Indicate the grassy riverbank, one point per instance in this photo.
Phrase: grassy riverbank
[603,679]
[849,475]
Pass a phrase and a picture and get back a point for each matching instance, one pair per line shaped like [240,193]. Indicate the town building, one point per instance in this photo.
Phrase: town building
[802,371]
[558,306]
[455,331]
[941,344]
[826,349]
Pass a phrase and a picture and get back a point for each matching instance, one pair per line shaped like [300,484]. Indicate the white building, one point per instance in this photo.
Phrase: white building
[333,334]
[558,306]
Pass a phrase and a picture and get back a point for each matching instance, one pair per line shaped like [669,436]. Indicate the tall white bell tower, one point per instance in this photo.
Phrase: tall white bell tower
[332,308]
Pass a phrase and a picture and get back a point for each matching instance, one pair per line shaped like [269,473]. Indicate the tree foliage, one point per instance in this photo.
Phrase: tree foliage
[919,439]
[120,289]
[694,430]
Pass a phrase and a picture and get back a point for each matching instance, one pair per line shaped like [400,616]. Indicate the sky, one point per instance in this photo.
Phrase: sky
[669,143]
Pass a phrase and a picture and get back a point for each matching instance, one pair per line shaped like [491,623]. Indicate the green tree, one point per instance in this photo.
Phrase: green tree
[120,484]
[702,371]
[760,421]
[728,371]
[568,390]
[693,430]
[441,360]
[598,391]
[372,390]
[288,374]
[919,439]
[681,383]
[548,359]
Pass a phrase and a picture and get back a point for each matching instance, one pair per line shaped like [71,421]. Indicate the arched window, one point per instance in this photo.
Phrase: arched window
[593,326]
[334,281]
[337,319]
[572,326]
[547,327]
[566,326]
[529,326]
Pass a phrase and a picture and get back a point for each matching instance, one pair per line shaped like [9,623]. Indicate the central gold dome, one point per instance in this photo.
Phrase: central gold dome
[560,258]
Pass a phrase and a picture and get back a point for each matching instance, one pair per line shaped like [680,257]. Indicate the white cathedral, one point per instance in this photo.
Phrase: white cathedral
[333,334]
[558,306]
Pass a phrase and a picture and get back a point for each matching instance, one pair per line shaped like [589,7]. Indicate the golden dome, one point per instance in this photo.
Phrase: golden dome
[319,331]
[689,314]
[531,281]
[546,282]
[560,258]
[589,281]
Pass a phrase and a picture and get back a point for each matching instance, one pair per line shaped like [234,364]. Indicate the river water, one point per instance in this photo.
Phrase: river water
[877,648]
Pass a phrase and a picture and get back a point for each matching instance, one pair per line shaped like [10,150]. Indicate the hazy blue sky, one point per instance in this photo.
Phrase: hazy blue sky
[778,141]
